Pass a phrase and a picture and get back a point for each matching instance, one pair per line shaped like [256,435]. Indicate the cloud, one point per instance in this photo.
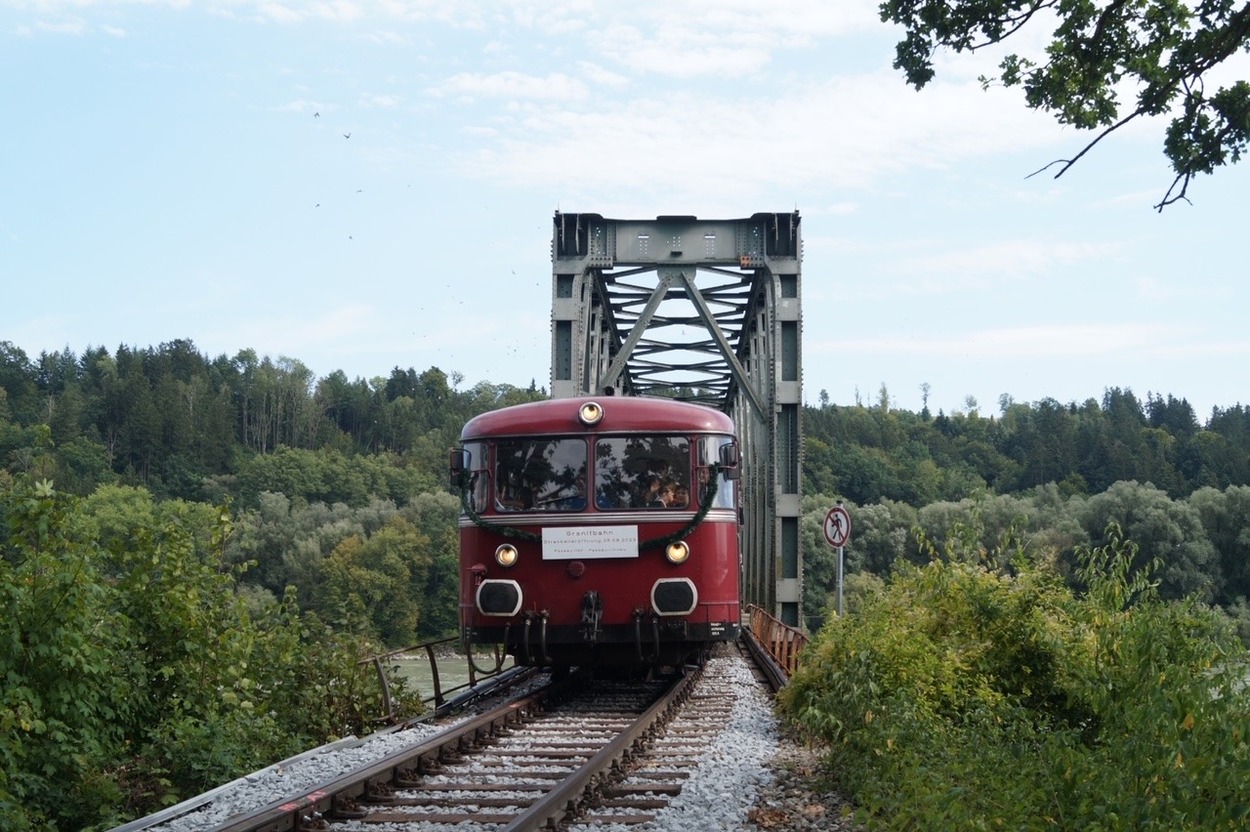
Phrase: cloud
[462,14]
[278,13]
[302,105]
[75,26]
[596,74]
[682,54]
[334,11]
[385,38]
[1156,291]
[670,22]
[1010,259]
[1034,341]
[380,101]
[514,86]
[299,334]
[725,40]
[845,133]
[1193,345]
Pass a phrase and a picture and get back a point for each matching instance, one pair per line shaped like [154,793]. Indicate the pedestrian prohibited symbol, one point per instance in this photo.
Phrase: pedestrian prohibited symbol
[837,526]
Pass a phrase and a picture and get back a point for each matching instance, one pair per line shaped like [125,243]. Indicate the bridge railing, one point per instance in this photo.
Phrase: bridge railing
[433,650]
[779,642]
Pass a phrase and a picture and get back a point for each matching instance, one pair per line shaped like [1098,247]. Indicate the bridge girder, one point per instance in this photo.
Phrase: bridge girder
[706,311]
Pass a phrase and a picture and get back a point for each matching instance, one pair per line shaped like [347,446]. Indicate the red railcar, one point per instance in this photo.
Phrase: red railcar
[599,531]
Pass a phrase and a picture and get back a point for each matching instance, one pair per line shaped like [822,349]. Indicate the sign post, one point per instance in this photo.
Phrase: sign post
[838,532]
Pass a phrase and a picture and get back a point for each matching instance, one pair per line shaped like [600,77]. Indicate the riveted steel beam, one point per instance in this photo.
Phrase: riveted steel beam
[705,311]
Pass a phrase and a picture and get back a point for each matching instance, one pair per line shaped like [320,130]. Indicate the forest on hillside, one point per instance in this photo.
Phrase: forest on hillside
[185,425]
[328,477]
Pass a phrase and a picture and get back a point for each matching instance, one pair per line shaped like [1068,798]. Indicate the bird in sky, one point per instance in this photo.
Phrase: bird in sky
[347,135]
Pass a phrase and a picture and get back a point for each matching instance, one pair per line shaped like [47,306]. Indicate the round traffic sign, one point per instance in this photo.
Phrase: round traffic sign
[837,526]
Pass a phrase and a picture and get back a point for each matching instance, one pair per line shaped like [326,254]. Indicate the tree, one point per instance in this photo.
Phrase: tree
[17,379]
[1159,528]
[375,584]
[67,699]
[1162,49]
[1042,439]
[434,515]
[1225,517]
[134,672]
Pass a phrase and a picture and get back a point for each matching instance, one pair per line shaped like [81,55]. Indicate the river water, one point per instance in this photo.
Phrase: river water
[453,671]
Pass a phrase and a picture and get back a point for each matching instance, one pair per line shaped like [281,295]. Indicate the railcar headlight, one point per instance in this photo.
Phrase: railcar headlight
[677,552]
[506,555]
[590,413]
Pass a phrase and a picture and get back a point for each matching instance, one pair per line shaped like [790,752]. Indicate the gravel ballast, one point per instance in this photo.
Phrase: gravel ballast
[750,777]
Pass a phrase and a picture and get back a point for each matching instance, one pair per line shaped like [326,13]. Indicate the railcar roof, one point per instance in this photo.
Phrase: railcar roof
[620,414]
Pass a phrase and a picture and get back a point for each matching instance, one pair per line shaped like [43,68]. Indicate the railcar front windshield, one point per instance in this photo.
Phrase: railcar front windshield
[540,475]
[655,471]
[642,472]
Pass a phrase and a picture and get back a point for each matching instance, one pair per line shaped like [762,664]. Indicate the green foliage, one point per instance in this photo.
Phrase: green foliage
[436,516]
[135,675]
[181,425]
[66,701]
[1162,528]
[1160,50]
[185,426]
[373,586]
[341,518]
[377,569]
[869,455]
[967,697]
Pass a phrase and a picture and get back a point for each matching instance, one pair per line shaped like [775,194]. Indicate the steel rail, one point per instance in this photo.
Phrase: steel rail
[288,813]
[484,688]
[563,803]
[191,804]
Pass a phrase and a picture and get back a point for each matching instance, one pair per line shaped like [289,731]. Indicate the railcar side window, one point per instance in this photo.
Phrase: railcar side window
[642,472]
[540,475]
[478,474]
[709,453]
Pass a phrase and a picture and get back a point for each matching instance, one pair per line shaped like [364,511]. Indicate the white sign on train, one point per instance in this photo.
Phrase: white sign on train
[589,542]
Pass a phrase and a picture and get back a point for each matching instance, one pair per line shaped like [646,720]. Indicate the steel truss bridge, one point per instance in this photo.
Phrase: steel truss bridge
[705,311]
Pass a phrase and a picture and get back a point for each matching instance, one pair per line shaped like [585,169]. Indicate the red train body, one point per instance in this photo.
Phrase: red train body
[599,531]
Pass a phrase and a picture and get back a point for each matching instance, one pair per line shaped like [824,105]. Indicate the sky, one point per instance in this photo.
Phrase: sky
[360,185]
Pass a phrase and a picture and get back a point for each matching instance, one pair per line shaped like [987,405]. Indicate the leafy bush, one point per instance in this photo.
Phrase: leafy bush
[136,676]
[971,697]
[67,694]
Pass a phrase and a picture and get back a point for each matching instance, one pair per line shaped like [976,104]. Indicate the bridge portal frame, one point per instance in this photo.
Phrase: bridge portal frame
[706,311]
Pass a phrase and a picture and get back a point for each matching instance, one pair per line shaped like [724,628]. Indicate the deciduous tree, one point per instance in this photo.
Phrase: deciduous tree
[1160,55]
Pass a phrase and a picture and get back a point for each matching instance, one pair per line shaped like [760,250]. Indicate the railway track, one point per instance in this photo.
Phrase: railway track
[537,773]
[574,755]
